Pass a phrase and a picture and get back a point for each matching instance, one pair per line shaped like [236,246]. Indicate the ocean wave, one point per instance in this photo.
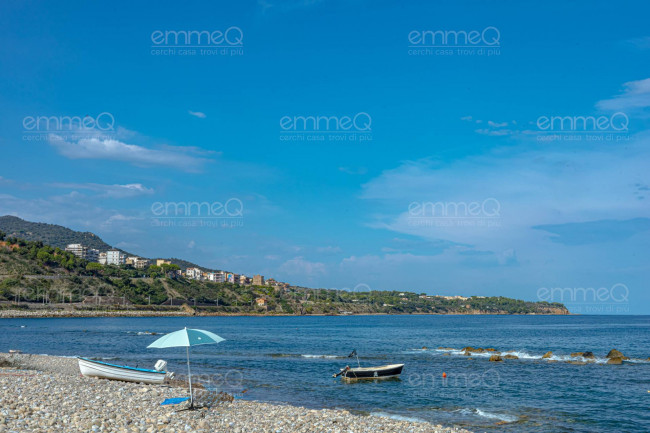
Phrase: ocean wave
[322,356]
[528,356]
[142,332]
[490,415]
[397,417]
[638,361]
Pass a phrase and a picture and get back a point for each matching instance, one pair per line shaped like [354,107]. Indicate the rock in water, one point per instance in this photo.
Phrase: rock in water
[615,361]
[589,355]
[511,357]
[495,358]
[576,354]
[547,355]
[616,354]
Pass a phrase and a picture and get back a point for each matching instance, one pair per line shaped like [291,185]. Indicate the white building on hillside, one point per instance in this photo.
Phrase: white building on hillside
[217,277]
[115,257]
[194,273]
[83,252]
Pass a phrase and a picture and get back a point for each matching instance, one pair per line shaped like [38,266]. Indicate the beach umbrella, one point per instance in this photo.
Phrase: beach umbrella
[186,338]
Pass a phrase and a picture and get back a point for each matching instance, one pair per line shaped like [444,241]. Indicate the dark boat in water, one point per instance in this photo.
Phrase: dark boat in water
[360,373]
[381,372]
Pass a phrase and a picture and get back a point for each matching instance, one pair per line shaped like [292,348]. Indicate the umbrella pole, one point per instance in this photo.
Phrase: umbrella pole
[189,375]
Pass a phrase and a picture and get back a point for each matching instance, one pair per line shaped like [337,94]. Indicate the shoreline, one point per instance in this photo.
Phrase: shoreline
[43,313]
[47,393]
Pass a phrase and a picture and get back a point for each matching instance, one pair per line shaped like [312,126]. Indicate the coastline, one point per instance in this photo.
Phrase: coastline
[42,313]
[47,393]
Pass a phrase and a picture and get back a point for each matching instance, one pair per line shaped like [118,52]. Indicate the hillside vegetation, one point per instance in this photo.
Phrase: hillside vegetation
[32,272]
[59,237]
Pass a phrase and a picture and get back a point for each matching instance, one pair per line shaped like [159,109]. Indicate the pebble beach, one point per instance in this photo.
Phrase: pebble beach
[47,394]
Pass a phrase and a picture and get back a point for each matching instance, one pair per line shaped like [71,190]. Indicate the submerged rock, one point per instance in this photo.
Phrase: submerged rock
[547,355]
[495,358]
[616,354]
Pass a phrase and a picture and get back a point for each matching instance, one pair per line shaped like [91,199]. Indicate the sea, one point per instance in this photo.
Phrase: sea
[291,360]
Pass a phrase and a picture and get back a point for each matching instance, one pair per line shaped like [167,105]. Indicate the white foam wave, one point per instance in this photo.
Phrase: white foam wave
[569,358]
[490,415]
[638,361]
[320,356]
[397,417]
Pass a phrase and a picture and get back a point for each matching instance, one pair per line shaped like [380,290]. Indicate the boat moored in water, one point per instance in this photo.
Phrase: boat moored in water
[380,372]
[359,373]
[93,368]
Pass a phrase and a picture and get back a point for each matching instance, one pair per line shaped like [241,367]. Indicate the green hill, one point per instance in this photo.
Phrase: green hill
[59,237]
[36,274]
[50,234]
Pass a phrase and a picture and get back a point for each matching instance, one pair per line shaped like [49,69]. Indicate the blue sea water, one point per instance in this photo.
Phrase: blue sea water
[292,359]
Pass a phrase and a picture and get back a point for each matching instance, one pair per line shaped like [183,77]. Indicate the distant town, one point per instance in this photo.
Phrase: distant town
[118,258]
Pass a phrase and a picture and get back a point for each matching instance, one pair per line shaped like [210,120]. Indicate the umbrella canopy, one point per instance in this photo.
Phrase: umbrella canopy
[186,338]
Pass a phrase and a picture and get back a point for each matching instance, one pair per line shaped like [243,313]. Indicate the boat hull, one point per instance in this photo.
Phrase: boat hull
[91,368]
[370,373]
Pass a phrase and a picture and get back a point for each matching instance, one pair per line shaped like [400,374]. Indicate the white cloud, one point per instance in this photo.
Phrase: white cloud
[329,249]
[301,267]
[198,114]
[530,188]
[636,95]
[110,191]
[116,150]
[495,132]
[642,43]
[355,171]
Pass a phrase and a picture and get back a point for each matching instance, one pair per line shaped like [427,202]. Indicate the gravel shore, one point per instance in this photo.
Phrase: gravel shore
[47,394]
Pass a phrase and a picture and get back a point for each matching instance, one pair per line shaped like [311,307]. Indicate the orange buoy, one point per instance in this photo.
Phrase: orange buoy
[444,374]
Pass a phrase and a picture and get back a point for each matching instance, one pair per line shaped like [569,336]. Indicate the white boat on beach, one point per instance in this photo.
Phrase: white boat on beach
[92,368]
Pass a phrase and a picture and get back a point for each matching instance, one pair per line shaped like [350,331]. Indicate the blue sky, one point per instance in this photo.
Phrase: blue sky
[384,205]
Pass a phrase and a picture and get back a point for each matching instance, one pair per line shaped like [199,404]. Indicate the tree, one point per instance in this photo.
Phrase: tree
[2,235]
[44,257]
[94,267]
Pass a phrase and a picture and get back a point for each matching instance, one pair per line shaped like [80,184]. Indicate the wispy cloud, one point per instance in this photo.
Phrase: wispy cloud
[198,114]
[116,150]
[636,95]
[354,171]
[493,128]
[301,266]
[642,43]
[110,191]
[329,249]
